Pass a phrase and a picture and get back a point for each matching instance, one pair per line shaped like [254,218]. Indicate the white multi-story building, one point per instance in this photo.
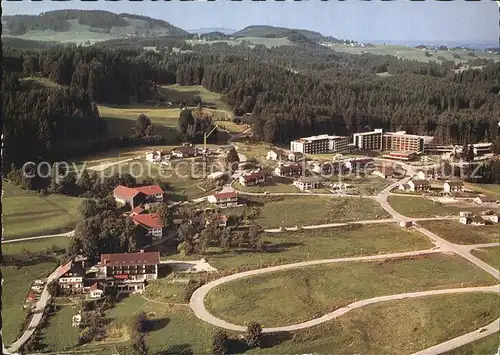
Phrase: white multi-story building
[389,141]
[320,144]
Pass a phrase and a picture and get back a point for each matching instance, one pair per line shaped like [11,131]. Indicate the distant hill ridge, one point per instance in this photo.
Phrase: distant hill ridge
[59,20]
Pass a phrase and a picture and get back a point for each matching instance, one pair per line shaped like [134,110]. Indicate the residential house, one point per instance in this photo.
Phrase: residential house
[419,185]
[295,156]
[383,171]
[307,183]
[153,193]
[224,199]
[465,214]
[185,152]
[354,165]
[218,220]
[328,168]
[253,178]
[130,271]
[152,222]
[275,154]
[96,290]
[128,196]
[465,219]
[484,199]
[404,187]
[158,156]
[420,175]
[492,218]
[138,210]
[288,170]
[71,276]
[453,186]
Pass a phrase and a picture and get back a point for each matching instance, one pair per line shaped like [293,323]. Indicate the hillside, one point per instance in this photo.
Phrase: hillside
[270,31]
[80,26]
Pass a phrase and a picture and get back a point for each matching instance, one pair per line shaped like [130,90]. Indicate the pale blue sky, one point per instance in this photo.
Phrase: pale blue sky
[454,21]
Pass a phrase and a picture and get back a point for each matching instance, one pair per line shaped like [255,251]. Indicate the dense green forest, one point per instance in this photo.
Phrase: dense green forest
[289,91]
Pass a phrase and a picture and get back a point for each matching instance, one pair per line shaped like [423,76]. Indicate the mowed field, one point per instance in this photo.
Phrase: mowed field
[325,243]
[400,327]
[489,255]
[321,289]
[420,207]
[26,214]
[311,210]
[458,233]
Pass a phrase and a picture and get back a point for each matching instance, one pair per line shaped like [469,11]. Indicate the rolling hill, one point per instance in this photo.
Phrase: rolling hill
[270,31]
[81,26]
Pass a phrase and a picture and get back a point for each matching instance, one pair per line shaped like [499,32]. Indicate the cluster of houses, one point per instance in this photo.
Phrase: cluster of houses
[164,156]
[475,220]
[126,272]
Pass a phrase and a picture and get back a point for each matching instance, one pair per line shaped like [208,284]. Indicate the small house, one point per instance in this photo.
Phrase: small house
[71,276]
[224,199]
[404,187]
[185,152]
[253,178]
[128,196]
[218,220]
[420,175]
[288,170]
[453,186]
[275,154]
[383,171]
[295,156]
[152,222]
[419,185]
[484,199]
[307,183]
[493,218]
[158,156]
[96,290]
[465,214]
[152,193]
[464,219]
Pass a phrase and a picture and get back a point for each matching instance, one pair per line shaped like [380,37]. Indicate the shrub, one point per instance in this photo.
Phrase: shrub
[220,341]
[254,335]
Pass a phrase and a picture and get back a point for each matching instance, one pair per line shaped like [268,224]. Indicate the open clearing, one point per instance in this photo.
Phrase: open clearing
[178,93]
[487,345]
[310,210]
[397,327]
[16,284]
[26,214]
[489,255]
[276,184]
[35,246]
[458,233]
[420,207]
[318,290]
[326,243]
[488,189]
[175,329]
[59,333]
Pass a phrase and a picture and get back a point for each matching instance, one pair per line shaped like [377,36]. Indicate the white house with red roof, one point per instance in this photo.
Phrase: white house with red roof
[136,196]
[152,222]
[96,290]
[153,193]
[224,199]
[219,220]
[130,271]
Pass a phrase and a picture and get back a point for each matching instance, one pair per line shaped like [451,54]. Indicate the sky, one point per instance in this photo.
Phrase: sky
[456,21]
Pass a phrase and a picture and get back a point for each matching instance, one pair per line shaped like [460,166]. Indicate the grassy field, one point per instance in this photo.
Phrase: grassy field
[420,207]
[415,53]
[180,93]
[27,214]
[253,41]
[398,328]
[59,334]
[16,284]
[309,210]
[276,184]
[488,189]
[163,290]
[459,233]
[175,328]
[365,185]
[326,243]
[318,290]
[487,345]
[489,255]
[35,246]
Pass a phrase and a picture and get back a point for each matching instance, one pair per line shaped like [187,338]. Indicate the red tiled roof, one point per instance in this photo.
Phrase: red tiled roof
[221,218]
[138,209]
[76,268]
[253,176]
[151,220]
[150,190]
[121,276]
[230,194]
[130,259]
[125,191]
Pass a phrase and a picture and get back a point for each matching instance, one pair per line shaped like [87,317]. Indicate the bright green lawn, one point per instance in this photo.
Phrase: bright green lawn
[297,295]
[488,189]
[325,243]
[420,207]
[489,255]
[59,334]
[27,214]
[16,284]
[164,290]
[178,93]
[486,345]
[399,327]
[459,233]
[310,210]
[275,184]
[176,329]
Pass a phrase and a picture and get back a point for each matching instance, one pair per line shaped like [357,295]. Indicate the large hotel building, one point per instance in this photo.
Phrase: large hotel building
[389,141]
[320,144]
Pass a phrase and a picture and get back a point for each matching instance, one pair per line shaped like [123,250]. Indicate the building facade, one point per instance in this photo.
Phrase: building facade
[224,199]
[320,144]
[389,141]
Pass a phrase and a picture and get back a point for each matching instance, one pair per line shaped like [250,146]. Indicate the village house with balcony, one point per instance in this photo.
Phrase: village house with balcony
[453,186]
[253,178]
[71,276]
[419,185]
[307,183]
[224,199]
[158,156]
[151,222]
[288,170]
